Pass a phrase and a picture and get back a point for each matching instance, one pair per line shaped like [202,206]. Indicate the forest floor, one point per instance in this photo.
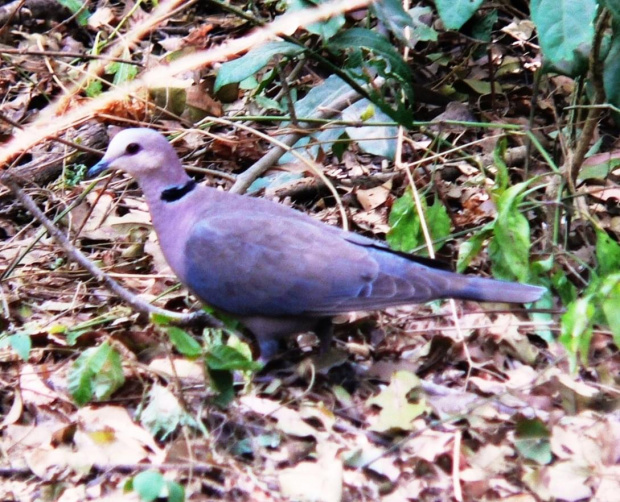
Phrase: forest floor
[445,401]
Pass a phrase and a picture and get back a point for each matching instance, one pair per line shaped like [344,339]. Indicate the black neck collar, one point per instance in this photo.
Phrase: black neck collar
[175,193]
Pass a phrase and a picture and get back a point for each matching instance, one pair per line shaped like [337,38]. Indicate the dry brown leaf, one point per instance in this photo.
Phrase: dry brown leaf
[373,197]
[319,481]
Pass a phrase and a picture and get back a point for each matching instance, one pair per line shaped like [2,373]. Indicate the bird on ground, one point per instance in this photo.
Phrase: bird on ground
[279,271]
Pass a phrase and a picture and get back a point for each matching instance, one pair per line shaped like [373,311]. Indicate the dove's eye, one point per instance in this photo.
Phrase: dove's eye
[133,148]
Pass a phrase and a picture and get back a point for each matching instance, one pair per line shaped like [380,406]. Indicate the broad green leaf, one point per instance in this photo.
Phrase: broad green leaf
[377,140]
[357,38]
[325,29]
[607,254]
[122,72]
[533,440]
[222,382]
[439,222]
[319,97]
[483,29]
[176,492]
[246,66]
[565,32]
[406,231]
[501,178]
[455,13]
[160,319]
[94,88]
[21,343]
[97,373]
[422,32]
[469,249]
[611,69]
[564,287]
[76,6]
[149,485]
[599,171]
[499,263]
[614,8]
[609,293]
[184,342]
[394,18]
[576,332]
[272,181]
[163,413]
[512,234]
[270,104]
[224,357]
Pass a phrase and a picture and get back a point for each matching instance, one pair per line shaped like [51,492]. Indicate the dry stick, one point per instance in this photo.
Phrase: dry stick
[596,73]
[198,318]
[62,54]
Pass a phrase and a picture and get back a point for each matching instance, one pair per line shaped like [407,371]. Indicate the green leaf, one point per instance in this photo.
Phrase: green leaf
[512,235]
[224,357]
[421,31]
[439,222]
[499,262]
[377,140]
[566,290]
[319,97]
[357,38]
[394,18]
[176,492]
[502,178]
[565,32]
[469,249]
[222,382]
[76,6]
[185,343]
[21,344]
[97,373]
[249,446]
[607,254]
[149,485]
[163,413]
[602,170]
[325,29]
[455,13]
[576,332]
[123,72]
[609,293]
[614,8]
[533,440]
[160,319]
[405,230]
[94,88]
[270,104]
[483,28]
[252,62]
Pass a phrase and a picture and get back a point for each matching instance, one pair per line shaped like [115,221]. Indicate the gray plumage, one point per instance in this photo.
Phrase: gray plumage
[279,271]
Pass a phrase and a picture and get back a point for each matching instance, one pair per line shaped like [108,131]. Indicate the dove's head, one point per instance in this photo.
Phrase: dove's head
[141,153]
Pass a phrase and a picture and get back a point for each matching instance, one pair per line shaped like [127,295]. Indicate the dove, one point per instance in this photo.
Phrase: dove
[279,271]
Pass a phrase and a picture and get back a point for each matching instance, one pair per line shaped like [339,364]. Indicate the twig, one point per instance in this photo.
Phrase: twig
[596,74]
[198,318]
